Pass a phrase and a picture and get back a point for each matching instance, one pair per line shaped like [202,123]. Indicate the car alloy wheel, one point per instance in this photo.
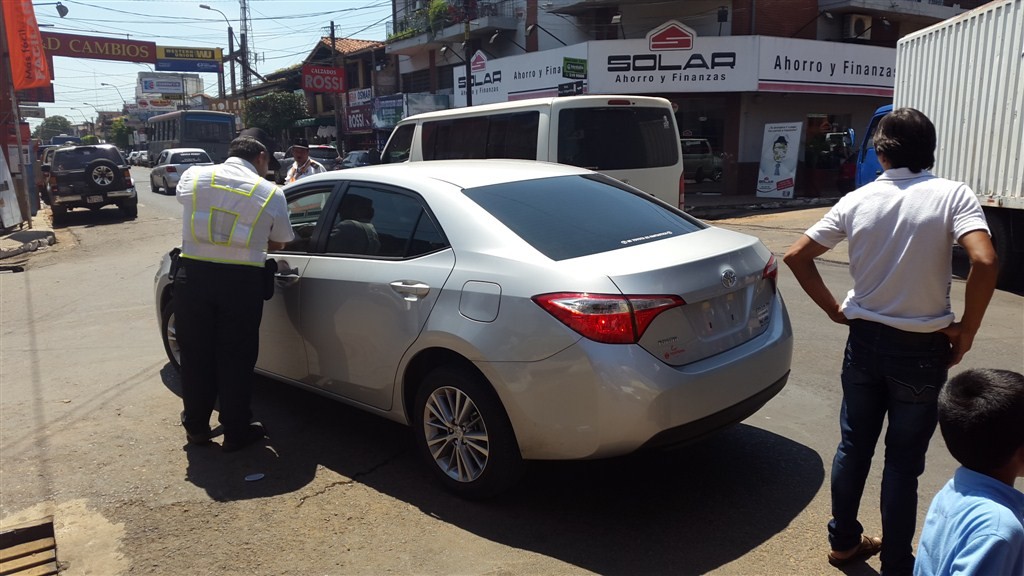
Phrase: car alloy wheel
[170,336]
[102,175]
[464,433]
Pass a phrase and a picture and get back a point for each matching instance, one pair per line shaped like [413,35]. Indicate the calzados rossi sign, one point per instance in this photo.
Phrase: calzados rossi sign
[76,46]
[323,79]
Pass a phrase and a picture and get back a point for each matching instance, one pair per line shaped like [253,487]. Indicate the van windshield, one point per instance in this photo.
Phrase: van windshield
[617,138]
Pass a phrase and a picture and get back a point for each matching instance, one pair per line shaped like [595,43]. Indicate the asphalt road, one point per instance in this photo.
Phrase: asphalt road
[89,433]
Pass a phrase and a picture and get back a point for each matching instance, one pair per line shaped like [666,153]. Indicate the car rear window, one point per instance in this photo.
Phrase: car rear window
[189,158]
[323,153]
[572,216]
[616,138]
[79,157]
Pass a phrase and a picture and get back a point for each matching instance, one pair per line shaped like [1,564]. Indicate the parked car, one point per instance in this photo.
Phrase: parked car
[170,165]
[357,158]
[132,157]
[699,161]
[90,176]
[326,155]
[511,310]
[142,159]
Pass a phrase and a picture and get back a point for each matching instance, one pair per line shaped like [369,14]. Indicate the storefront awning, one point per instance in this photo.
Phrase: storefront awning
[315,121]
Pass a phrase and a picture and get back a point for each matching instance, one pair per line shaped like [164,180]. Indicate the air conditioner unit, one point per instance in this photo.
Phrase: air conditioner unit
[419,5]
[857,26]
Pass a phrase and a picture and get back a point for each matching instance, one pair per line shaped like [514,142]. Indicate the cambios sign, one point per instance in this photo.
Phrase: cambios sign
[76,46]
[323,79]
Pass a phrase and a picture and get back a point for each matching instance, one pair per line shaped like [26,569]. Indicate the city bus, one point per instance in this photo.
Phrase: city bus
[211,131]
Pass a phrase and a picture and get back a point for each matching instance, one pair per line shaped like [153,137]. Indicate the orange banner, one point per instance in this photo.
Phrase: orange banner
[29,68]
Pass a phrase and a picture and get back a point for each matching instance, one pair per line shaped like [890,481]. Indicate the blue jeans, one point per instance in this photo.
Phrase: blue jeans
[885,371]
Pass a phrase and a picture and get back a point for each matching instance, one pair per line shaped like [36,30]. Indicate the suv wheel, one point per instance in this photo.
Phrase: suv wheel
[101,174]
[130,208]
[60,214]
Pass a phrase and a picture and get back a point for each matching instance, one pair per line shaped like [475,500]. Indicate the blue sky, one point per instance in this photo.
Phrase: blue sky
[283,32]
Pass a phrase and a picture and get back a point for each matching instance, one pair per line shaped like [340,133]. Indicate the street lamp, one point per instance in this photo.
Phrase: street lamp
[123,101]
[62,10]
[85,120]
[231,51]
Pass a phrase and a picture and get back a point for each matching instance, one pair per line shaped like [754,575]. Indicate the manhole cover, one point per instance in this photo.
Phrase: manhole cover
[29,549]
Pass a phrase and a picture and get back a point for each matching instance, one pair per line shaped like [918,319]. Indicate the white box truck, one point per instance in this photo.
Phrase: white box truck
[967,75]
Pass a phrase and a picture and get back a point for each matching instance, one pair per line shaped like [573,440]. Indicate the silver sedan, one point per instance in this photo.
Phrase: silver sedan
[171,164]
[512,310]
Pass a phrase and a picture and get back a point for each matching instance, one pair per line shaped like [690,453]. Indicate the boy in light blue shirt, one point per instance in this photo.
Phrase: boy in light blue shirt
[975,525]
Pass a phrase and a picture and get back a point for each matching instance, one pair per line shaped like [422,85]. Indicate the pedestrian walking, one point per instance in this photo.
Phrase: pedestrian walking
[975,524]
[902,333]
[304,165]
[232,214]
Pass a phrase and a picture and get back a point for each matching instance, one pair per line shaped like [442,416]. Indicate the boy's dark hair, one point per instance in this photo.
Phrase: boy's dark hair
[907,139]
[247,148]
[981,415]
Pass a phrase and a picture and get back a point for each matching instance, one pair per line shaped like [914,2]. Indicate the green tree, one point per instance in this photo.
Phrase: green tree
[275,112]
[90,139]
[52,126]
[120,132]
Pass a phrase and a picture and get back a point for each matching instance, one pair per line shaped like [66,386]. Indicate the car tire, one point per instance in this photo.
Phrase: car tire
[130,208]
[167,189]
[472,450]
[101,174]
[153,187]
[169,335]
[60,215]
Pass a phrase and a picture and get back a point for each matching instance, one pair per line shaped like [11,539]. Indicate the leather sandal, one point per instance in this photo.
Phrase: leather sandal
[868,547]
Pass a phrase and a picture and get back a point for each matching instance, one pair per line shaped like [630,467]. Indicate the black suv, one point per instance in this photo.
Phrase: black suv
[91,176]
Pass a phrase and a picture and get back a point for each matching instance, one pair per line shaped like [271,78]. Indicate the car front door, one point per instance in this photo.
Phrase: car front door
[282,350]
[367,297]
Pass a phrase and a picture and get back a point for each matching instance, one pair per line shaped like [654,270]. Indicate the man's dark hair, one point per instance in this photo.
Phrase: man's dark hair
[247,148]
[981,415]
[907,139]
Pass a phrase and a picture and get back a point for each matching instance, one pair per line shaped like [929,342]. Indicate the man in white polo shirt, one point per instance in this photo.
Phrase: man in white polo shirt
[902,333]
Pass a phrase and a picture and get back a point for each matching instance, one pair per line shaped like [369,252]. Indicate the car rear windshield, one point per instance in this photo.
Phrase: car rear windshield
[330,154]
[616,138]
[572,216]
[189,158]
[79,157]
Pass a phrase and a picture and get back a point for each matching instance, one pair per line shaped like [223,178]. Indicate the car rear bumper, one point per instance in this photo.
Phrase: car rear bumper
[598,400]
[93,199]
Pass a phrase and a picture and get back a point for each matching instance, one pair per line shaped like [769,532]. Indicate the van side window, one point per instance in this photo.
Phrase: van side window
[495,136]
[616,138]
[399,145]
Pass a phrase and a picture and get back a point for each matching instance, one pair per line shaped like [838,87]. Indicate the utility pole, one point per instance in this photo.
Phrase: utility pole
[466,55]
[8,97]
[337,107]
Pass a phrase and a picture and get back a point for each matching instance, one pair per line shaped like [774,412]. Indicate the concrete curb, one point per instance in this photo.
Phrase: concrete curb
[28,239]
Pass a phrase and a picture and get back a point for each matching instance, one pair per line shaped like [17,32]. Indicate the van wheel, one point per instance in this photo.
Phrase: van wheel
[464,435]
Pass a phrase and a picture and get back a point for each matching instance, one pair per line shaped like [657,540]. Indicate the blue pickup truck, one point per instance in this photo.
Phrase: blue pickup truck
[868,167]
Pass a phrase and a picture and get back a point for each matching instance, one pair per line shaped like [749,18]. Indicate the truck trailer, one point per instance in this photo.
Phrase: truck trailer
[967,75]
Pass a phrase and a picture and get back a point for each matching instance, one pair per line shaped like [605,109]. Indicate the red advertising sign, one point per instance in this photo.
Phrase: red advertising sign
[359,118]
[28,67]
[97,48]
[323,79]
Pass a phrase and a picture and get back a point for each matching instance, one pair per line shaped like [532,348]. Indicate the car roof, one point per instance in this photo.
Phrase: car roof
[461,173]
[177,150]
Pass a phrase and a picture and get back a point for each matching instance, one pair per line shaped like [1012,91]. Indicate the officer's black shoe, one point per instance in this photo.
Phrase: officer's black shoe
[249,435]
[203,437]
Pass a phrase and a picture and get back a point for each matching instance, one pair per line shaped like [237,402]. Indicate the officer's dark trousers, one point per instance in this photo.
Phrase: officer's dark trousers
[217,309]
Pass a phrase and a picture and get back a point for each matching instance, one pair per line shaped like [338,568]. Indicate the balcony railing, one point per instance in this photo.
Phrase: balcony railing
[434,17]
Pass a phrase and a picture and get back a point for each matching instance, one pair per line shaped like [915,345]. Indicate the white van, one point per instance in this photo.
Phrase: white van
[631,138]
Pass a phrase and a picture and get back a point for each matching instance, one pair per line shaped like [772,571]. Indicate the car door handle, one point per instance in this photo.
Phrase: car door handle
[410,289]
[286,277]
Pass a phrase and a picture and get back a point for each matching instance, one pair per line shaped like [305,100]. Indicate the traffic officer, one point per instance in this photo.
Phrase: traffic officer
[304,165]
[232,215]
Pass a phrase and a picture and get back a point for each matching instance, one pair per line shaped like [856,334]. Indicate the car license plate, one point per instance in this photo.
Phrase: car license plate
[93,199]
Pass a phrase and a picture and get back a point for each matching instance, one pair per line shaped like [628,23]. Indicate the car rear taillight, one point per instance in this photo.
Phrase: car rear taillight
[771,272]
[606,317]
[171,169]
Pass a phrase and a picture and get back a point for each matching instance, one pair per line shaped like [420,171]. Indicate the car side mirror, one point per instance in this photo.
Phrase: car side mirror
[853,137]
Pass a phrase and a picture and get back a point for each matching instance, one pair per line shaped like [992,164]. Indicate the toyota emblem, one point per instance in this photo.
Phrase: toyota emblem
[728,278]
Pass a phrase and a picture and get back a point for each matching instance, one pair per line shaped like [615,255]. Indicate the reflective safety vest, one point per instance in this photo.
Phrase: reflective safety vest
[225,210]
